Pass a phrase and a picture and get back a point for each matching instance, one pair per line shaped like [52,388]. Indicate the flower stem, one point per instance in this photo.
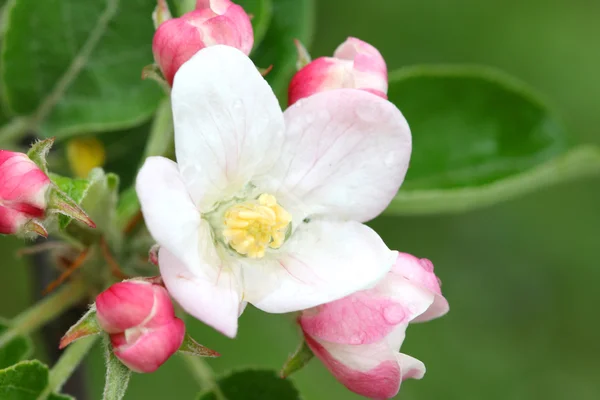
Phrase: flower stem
[44,311]
[66,364]
[204,375]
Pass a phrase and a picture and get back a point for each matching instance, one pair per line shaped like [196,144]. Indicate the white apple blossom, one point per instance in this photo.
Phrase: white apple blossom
[267,207]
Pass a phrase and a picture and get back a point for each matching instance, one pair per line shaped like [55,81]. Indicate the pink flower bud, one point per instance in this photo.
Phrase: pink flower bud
[140,319]
[358,337]
[354,65]
[23,192]
[213,22]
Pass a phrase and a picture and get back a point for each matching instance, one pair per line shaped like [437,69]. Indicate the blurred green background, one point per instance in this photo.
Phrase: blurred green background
[521,277]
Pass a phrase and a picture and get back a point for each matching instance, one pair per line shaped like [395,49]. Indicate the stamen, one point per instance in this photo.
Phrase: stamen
[253,226]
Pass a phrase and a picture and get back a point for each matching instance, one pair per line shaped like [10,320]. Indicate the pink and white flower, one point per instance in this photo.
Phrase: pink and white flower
[355,64]
[212,22]
[358,337]
[23,193]
[267,207]
[140,320]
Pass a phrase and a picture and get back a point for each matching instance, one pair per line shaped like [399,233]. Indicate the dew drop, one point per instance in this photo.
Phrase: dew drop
[394,314]
[237,104]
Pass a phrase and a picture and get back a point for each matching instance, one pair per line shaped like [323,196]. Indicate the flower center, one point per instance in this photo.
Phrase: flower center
[253,226]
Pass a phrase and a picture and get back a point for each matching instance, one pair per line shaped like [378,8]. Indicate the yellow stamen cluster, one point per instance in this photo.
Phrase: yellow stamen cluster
[253,226]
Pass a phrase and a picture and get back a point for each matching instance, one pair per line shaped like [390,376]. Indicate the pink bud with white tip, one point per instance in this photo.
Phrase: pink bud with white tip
[141,322]
[354,65]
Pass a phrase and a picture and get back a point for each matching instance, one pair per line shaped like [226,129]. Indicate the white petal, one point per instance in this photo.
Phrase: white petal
[213,300]
[411,367]
[346,154]
[228,123]
[169,212]
[321,262]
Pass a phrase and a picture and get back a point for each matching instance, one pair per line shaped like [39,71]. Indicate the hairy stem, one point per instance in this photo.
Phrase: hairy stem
[204,375]
[66,364]
[44,311]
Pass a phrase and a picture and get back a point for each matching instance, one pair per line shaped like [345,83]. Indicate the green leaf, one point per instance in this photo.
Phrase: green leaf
[261,12]
[128,207]
[23,381]
[26,381]
[75,188]
[15,350]
[254,385]
[191,347]
[75,66]
[97,195]
[479,137]
[292,19]
[100,201]
[86,326]
[38,153]
[117,375]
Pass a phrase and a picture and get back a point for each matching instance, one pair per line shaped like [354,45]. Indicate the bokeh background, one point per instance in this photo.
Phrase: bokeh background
[521,276]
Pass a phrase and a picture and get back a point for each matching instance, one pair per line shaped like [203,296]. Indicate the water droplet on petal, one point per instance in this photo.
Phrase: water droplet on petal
[394,314]
[237,104]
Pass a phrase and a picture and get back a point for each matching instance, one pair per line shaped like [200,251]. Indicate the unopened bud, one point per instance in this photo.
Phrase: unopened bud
[213,22]
[354,65]
[23,194]
[141,322]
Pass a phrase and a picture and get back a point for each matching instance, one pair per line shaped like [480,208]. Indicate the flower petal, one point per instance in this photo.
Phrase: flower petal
[368,370]
[228,124]
[419,272]
[214,300]
[369,315]
[321,262]
[171,217]
[346,154]
[411,367]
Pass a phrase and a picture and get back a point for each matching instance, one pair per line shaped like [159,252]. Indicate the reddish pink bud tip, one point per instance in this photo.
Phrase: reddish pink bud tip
[23,194]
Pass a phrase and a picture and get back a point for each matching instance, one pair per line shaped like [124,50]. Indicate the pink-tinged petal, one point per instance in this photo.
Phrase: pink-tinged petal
[212,23]
[23,191]
[169,212]
[419,272]
[131,304]
[241,21]
[346,154]
[150,349]
[11,220]
[213,299]
[124,305]
[369,68]
[324,73]
[175,42]
[368,370]
[322,261]
[360,318]
[222,30]
[370,315]
[228,124]
[411,367]
[216,6]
